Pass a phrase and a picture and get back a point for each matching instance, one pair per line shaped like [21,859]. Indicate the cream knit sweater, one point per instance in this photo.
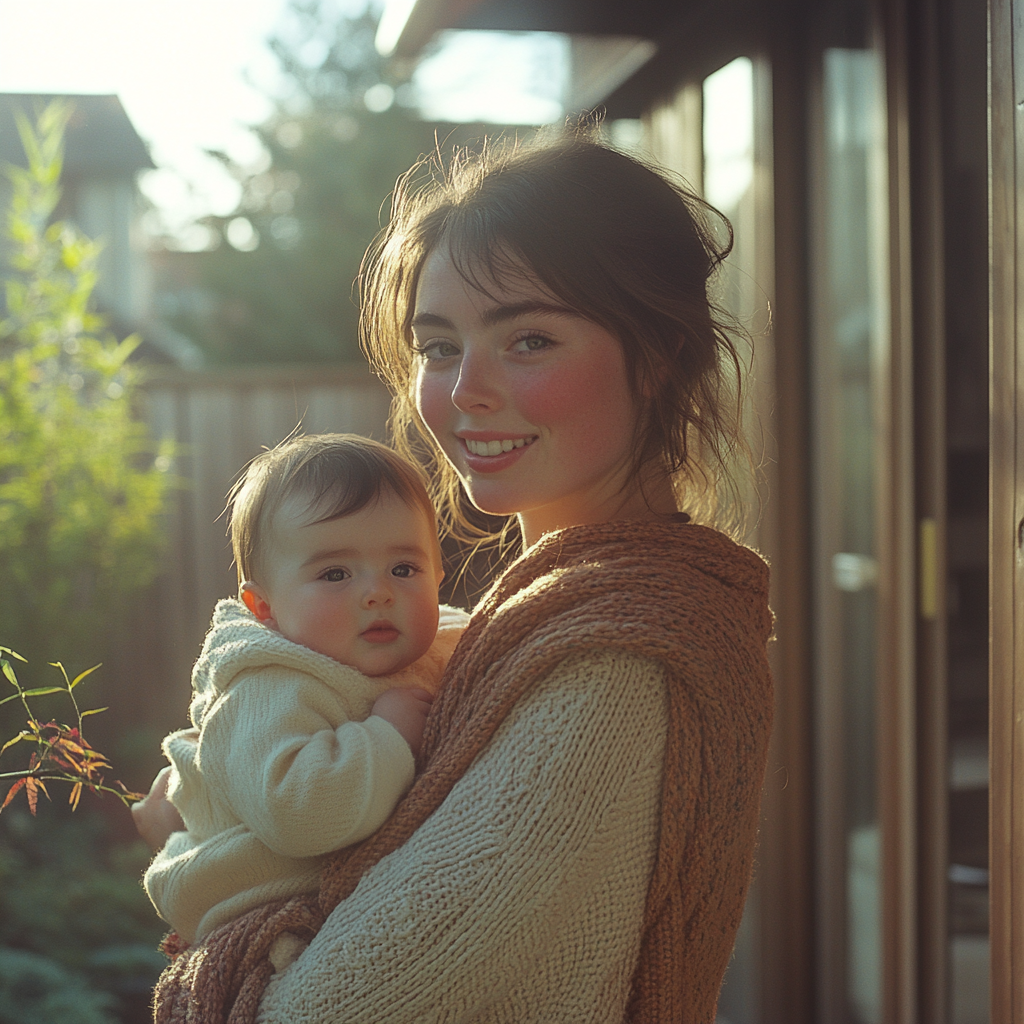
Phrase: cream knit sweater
[284,764]
[542,895]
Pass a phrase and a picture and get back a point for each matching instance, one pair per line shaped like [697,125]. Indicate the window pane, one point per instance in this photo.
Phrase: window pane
[850,346]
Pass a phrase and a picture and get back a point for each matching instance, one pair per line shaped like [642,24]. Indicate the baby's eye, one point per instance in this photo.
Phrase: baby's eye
[440,348]
[335,575]
[404,571]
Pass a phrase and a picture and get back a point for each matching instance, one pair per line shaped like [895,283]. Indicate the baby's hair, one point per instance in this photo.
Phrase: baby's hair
[618,241]
[338,474]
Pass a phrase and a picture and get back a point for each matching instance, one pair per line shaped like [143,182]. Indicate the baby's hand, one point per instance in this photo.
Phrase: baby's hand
[406,709]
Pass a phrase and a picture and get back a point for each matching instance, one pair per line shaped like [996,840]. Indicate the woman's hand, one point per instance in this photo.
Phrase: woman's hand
[155,816]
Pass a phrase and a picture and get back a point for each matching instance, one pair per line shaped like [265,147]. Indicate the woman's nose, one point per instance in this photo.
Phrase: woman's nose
[476,389]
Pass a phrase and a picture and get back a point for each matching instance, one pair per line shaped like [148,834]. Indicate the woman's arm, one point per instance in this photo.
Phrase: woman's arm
[521,898]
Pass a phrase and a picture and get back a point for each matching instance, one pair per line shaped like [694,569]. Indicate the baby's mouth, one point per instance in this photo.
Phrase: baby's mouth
[382,632]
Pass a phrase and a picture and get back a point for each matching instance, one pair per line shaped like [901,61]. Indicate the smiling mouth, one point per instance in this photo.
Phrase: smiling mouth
[497,447]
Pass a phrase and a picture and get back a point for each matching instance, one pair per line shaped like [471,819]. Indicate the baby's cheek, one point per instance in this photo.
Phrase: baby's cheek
[424,624]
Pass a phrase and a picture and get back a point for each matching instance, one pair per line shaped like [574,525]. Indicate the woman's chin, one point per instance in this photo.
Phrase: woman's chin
[492,509]
[483,500]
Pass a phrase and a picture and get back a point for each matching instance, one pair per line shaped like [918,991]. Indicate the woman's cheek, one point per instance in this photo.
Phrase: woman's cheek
[590,401]
[547,395]
[434,403]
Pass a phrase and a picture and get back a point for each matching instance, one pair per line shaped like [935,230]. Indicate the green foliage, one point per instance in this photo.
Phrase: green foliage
[36,990]
[62,753]
[80,491]
[77,935]
[314,210]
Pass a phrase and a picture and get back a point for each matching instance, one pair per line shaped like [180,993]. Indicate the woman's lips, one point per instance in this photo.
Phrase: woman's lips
[494,454]
[380,633]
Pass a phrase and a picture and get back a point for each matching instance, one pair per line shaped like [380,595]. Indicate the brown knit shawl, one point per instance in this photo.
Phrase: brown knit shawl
[684,595]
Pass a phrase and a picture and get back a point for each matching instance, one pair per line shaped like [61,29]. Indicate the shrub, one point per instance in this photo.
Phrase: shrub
[76,929]
[81,487]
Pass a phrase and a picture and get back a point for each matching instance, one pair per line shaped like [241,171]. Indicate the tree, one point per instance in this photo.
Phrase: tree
[282,281]
[81,484]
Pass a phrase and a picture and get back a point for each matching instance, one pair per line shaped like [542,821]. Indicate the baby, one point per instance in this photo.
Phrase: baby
[311,693]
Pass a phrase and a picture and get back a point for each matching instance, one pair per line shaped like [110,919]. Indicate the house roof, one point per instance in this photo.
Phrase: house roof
[696,35]
[99,136]
[422,18]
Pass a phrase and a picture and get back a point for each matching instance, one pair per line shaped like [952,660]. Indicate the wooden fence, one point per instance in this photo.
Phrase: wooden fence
[218,421]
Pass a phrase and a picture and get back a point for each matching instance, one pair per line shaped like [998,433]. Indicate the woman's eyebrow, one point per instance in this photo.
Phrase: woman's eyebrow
[431,320]
[497,314]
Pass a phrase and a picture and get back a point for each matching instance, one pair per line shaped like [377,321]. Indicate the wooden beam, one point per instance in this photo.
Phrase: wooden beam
[1006,510]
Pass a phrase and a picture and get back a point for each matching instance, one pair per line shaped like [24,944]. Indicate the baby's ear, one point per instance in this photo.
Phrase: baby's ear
[254,599]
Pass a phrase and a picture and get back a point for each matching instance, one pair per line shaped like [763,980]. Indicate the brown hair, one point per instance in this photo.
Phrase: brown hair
[611,237]
[341,474]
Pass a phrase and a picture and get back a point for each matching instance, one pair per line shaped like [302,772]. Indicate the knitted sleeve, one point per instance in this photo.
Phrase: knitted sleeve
[269,751]
[521,898]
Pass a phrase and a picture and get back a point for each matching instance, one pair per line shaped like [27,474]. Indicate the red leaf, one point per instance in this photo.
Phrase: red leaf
[11,792]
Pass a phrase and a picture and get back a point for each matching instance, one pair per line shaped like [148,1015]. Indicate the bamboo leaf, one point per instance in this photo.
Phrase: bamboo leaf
[12,792]
[8,671]
[128,793]
[82,675]
[13,654]
[94,711]
[18,739]
[32,792]
[70,747]
[76,795]
[39,691]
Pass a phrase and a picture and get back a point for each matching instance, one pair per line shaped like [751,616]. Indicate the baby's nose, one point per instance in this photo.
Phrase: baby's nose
[377,592]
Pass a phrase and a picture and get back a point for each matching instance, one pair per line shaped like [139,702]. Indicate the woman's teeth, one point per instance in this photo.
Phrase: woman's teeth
[496,447]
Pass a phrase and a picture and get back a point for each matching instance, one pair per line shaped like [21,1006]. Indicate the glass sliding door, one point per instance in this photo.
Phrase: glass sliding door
[850,355]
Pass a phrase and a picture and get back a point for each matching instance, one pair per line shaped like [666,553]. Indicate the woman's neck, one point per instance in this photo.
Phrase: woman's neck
[651,501]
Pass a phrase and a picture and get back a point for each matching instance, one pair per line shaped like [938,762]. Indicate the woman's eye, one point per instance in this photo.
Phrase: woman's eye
[335,575]
[532,343]
[404,571]
[439,349]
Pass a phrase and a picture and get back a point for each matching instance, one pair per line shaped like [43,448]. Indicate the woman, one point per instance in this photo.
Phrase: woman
[579,844]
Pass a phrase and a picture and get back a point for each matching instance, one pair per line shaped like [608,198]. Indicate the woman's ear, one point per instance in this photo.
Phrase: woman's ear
[255,600]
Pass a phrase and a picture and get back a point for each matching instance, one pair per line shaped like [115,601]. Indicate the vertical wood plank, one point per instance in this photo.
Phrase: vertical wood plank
[786,857]
[897,693]
[930,472]
[172,661]
[1006,511]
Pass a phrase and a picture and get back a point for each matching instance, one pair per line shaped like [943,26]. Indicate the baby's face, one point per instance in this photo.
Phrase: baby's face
[361,589]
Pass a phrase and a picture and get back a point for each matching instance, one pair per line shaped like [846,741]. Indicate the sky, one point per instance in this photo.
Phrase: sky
[179,67]
[192,74]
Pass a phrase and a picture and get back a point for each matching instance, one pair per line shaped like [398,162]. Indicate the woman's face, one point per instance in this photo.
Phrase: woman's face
[529,401]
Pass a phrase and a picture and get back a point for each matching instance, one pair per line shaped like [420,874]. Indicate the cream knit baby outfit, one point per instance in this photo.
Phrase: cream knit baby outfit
[284,765]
